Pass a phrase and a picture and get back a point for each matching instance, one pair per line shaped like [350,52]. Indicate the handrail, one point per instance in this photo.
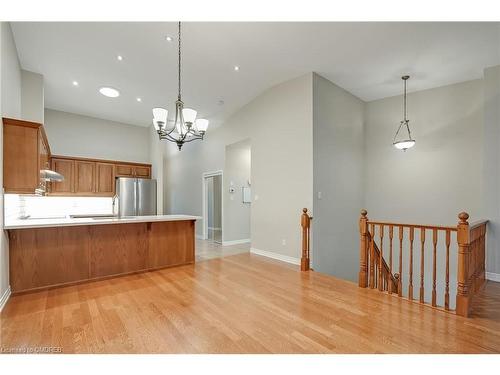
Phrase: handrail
[405,225]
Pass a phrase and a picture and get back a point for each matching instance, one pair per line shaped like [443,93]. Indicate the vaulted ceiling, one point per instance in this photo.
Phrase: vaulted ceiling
[366,59]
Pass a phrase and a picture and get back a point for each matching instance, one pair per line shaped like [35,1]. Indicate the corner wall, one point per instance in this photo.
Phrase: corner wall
[338,178]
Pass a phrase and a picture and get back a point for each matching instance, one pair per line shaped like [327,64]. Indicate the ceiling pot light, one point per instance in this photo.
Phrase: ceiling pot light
[75,83]
[119,57]
[236,68]
[402,138]
[185,126]
[169,38]
[139,99]
[109,92]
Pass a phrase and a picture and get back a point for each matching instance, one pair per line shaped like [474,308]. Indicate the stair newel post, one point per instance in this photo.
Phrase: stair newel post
[305,222]
[463,287]
[363,249]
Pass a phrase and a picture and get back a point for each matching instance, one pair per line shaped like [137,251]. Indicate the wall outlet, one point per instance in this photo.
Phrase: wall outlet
[256,198]
[283,242]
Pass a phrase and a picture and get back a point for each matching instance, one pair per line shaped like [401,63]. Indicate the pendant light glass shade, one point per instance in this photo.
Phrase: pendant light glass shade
[160,118]
[202,125]
[189,115]
[402,138]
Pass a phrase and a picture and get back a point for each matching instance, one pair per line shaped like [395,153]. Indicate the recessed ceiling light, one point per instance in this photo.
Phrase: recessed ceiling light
[236,68]
[109,92]
[75,83]
[119,57]
[139,99]
[169,38]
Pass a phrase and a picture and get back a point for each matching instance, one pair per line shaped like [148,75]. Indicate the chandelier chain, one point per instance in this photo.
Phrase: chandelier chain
[179,65]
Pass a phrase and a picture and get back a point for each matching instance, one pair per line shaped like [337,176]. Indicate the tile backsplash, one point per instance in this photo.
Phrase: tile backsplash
[16,205]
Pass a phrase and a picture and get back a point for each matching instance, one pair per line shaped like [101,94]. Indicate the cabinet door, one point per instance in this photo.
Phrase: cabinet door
[143,172]
[66,167]
[21,173]
[85,182]
[124,170]
[105,184]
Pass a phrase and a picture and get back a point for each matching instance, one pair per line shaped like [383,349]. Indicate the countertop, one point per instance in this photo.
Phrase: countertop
[68,222]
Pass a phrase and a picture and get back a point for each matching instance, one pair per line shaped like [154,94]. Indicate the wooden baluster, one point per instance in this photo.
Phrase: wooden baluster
[400,278]
[306,224]
[389,278]
[381,259]
[410,280]
[434,244]
[363,250]
[447,281]
[422,264]
[372,257]
[463,281]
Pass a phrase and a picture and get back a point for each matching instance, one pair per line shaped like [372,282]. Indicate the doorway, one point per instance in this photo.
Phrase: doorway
[212,207]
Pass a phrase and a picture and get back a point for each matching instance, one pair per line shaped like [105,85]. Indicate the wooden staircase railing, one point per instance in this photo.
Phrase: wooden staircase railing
[374,272]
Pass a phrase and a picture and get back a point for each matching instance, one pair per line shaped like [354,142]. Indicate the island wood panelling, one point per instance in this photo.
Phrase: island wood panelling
[47,257]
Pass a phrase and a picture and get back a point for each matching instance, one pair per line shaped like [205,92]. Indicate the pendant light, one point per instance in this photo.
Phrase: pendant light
[402,138]
[186,127]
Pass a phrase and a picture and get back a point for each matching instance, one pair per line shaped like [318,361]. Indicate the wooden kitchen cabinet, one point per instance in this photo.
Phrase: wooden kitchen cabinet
[25,152]
[93,177]
[65,167]
[105,179]
[85,179]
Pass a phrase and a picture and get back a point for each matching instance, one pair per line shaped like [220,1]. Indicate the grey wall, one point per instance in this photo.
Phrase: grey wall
[491,170]
[281,171]
[32,97]
[441,175]
[237,173]
[338,177]
[11,75]
[10,106]
[76,135]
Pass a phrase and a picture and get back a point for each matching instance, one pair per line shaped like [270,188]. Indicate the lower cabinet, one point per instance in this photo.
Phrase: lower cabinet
[46,257]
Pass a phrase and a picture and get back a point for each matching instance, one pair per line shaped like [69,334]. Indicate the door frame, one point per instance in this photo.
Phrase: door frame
[204,194]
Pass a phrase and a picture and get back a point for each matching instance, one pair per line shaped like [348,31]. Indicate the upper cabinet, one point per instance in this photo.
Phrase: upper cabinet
[93,177]
[25,152]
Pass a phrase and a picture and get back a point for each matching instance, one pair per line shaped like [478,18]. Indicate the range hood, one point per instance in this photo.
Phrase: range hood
[48,175]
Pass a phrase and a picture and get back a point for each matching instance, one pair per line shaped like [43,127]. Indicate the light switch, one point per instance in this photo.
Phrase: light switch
[256,198]
[319,195]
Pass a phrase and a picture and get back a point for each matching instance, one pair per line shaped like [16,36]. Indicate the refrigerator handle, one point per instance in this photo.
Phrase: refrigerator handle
[136,197]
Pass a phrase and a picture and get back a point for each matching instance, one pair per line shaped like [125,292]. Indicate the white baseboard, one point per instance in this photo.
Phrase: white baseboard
[269,254]
[4,298]
[493,276]
[210,228]
[235,242]
[199,237]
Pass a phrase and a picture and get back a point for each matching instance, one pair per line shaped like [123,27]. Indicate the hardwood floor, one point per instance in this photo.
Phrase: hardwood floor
[241,304]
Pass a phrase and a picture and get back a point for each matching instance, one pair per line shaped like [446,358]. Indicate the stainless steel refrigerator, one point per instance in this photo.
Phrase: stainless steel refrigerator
[135,197]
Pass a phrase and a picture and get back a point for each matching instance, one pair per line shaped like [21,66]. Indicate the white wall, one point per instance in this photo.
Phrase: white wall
[281,171]
[75,135]
[237,172]
[32,97]
[338,177]
[491,171]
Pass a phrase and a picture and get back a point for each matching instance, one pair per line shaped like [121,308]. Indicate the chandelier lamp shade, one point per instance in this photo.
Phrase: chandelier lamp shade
[186,127]
[402,138]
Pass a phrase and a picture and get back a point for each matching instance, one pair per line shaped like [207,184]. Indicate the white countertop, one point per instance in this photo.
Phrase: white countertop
[69,222]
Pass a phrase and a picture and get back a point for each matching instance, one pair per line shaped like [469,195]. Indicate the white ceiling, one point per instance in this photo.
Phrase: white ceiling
[366,59]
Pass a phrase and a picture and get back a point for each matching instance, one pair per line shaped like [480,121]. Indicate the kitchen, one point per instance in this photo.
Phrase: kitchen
[74,219]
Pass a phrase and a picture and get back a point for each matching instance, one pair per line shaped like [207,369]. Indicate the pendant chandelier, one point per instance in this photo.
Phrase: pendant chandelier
[402,138]
[186,128]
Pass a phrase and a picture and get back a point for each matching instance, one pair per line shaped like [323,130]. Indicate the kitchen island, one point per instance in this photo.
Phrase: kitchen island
[45,253]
